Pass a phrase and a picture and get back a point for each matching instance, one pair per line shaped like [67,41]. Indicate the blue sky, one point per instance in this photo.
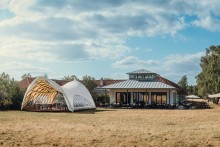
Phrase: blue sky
[106,38]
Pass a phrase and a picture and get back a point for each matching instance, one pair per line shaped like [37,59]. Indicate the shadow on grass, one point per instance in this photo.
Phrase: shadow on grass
[93,111]
[86,111]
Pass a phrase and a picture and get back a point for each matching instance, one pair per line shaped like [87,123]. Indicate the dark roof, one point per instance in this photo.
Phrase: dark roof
[107,82]
[166,81]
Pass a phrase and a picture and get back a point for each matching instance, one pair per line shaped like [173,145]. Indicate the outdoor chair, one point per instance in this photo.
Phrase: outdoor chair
[147,106]
[38,106]
[45,106]
[50,106]
[64,107]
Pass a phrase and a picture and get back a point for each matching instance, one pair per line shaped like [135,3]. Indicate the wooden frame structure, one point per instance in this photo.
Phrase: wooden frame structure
[42,92]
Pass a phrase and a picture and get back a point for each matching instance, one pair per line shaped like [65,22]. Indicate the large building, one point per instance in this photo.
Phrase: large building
[144,88]
[24,83]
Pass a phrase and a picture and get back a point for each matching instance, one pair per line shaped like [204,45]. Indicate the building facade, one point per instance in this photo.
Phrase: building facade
[144,88]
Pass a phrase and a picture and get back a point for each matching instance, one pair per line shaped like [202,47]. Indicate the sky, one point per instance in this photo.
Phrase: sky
[106,38]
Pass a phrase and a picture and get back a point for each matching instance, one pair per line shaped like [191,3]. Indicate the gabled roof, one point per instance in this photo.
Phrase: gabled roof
[141,71]
[166,81]
[134,84]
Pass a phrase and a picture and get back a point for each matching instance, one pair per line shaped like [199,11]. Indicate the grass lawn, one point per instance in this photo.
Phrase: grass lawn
[111,127]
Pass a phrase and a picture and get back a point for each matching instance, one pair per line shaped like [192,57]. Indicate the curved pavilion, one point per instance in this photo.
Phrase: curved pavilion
[45,94]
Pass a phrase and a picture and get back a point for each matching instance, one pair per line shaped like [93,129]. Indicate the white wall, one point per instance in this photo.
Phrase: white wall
[112,96]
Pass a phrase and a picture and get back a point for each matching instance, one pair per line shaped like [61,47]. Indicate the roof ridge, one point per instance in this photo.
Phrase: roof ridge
[140,71]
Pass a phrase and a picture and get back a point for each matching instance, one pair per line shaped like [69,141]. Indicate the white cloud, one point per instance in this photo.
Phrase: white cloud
[132,61]
[4,4]
[119,76]
[16,69]
[208,23]
[69,30]
[173,66]
[148,50]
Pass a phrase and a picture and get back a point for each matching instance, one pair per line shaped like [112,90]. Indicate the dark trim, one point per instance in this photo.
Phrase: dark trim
[127,98]
[116,98]
[147,101]
[169,97]
[106,96]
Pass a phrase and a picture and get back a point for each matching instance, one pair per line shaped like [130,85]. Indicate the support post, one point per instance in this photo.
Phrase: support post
[116,103]
[169,97]
[127,98]
[146,97]
[105,96]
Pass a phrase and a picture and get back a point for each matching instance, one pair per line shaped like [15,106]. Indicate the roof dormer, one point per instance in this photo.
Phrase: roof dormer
[142,74]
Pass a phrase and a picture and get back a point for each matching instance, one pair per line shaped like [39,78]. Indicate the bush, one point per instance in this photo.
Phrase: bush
[102,98]
[10,94]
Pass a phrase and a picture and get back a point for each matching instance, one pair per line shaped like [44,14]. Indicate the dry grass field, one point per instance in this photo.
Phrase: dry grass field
[111,127]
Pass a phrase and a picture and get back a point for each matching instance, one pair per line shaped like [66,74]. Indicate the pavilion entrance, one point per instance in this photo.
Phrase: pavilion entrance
[44,103]
[140,99]
[123,99]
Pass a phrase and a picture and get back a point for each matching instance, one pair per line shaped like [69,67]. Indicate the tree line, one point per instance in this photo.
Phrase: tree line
[208,82]
[188,89]
[11,95]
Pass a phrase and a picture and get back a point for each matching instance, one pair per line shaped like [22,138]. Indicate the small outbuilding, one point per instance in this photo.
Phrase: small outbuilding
[193,97]
[44,94]
[214,98]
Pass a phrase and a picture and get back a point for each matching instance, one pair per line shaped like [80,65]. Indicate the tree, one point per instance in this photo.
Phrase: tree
[208,80]
[195,90]
[183,83]
[5,90]
[70,78]
[16,95]
[10,93]
[107,79]
[25,76]
[190,90]
[45,75]
[90,84]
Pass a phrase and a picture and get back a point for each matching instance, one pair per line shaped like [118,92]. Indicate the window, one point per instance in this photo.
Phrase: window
[140,97]
[140,76]
[164,98]
[123,97]
[158,98]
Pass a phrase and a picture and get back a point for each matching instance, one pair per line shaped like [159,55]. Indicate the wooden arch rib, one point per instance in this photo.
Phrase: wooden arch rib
[41,89]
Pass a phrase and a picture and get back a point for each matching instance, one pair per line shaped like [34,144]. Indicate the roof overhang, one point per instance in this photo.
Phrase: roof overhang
[134,84]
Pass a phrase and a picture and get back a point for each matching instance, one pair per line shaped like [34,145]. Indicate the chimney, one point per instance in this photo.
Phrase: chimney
[101,82]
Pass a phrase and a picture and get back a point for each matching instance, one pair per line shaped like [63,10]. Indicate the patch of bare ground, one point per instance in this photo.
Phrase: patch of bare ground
[111,127]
